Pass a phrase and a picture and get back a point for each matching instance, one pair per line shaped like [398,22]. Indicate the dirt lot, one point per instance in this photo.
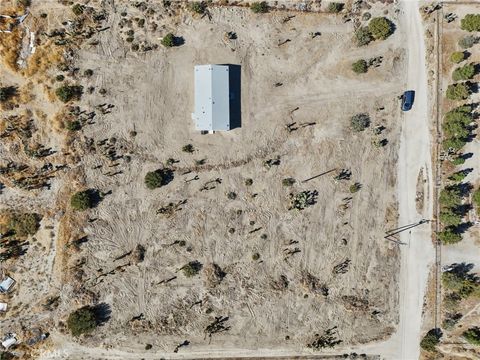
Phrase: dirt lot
[280,285]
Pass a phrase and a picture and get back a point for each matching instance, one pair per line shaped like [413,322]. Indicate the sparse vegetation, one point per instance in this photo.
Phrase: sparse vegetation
[471,22]
[363,36]
[472,335]
[82,321]
[259,7]
[69,92]
[360,66]
[288,181]
[458,91]
[360,122]
[192,268]
[7,92]
[188,148]
[468,41]
[73,125]
[197,7]
[381,28]
[168,40]
[431,340]
[158,178]
[83,200]
[335,7]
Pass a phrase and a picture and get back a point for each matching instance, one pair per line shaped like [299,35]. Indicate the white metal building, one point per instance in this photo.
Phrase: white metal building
[212,98]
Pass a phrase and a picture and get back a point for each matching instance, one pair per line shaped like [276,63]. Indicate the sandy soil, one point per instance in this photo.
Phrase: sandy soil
[151,94]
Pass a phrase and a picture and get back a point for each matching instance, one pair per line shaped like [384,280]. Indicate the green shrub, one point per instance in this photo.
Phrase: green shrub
[472,335]
[73,125]
[197,7]
[24,224]
[157,178]
[476,199]
[360,66]
[7,92]
[468,41]
[453,143]
[449,236]
[381,28]
[450,197]
[449,218]
[430,340]
[471,22]
[83,200]
[259,7]
[460,282]
[363,36]
[188,148]
[82,321]
[457,57]
[78,9]
[465,72]
[360,122]
[335,7]
[168,40]
[458,176]
[458,91]
[192,268]
[458,161]
[288,181]
[69,92]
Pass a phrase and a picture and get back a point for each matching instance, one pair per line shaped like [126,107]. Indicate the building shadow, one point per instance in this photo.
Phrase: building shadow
[235,86]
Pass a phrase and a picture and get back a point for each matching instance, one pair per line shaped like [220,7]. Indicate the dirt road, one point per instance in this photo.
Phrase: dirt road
[418,255]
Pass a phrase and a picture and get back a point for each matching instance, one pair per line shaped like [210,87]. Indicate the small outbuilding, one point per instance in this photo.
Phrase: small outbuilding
[212,98]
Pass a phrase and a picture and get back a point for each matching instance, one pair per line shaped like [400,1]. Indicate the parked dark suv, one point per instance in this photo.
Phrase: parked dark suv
[407,100]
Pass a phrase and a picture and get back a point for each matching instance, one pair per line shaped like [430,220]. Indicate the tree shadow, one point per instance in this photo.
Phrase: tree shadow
[94,196]
[178,40]
[102,313]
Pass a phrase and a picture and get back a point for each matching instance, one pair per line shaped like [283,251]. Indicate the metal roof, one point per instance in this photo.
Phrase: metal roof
[212,98]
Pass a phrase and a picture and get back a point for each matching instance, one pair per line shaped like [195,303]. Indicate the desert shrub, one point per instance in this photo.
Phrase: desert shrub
[157,178]
[465,72]
[197,7]
[476,198]
[24,224]
[453,143]
[248,182]
[458,161]
[78,9]
[88,72]
[360,122]
[82,321]
[255,256]
[168,40]
[471,22]
[449,236]
[360,66]
[450,197]
[468,41]
[457,57]
[461,282]
[259,7]
[431,340]
[7,92]
[188,148]
[472,335]
[69,92]
[231,195]
[288,181]
[449,218]
[363,36]
[192,268]
[381,27]
[458,91]
[73,125]
[355,187]
[335,7]
[83,200]
[303,199]
[59,78]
